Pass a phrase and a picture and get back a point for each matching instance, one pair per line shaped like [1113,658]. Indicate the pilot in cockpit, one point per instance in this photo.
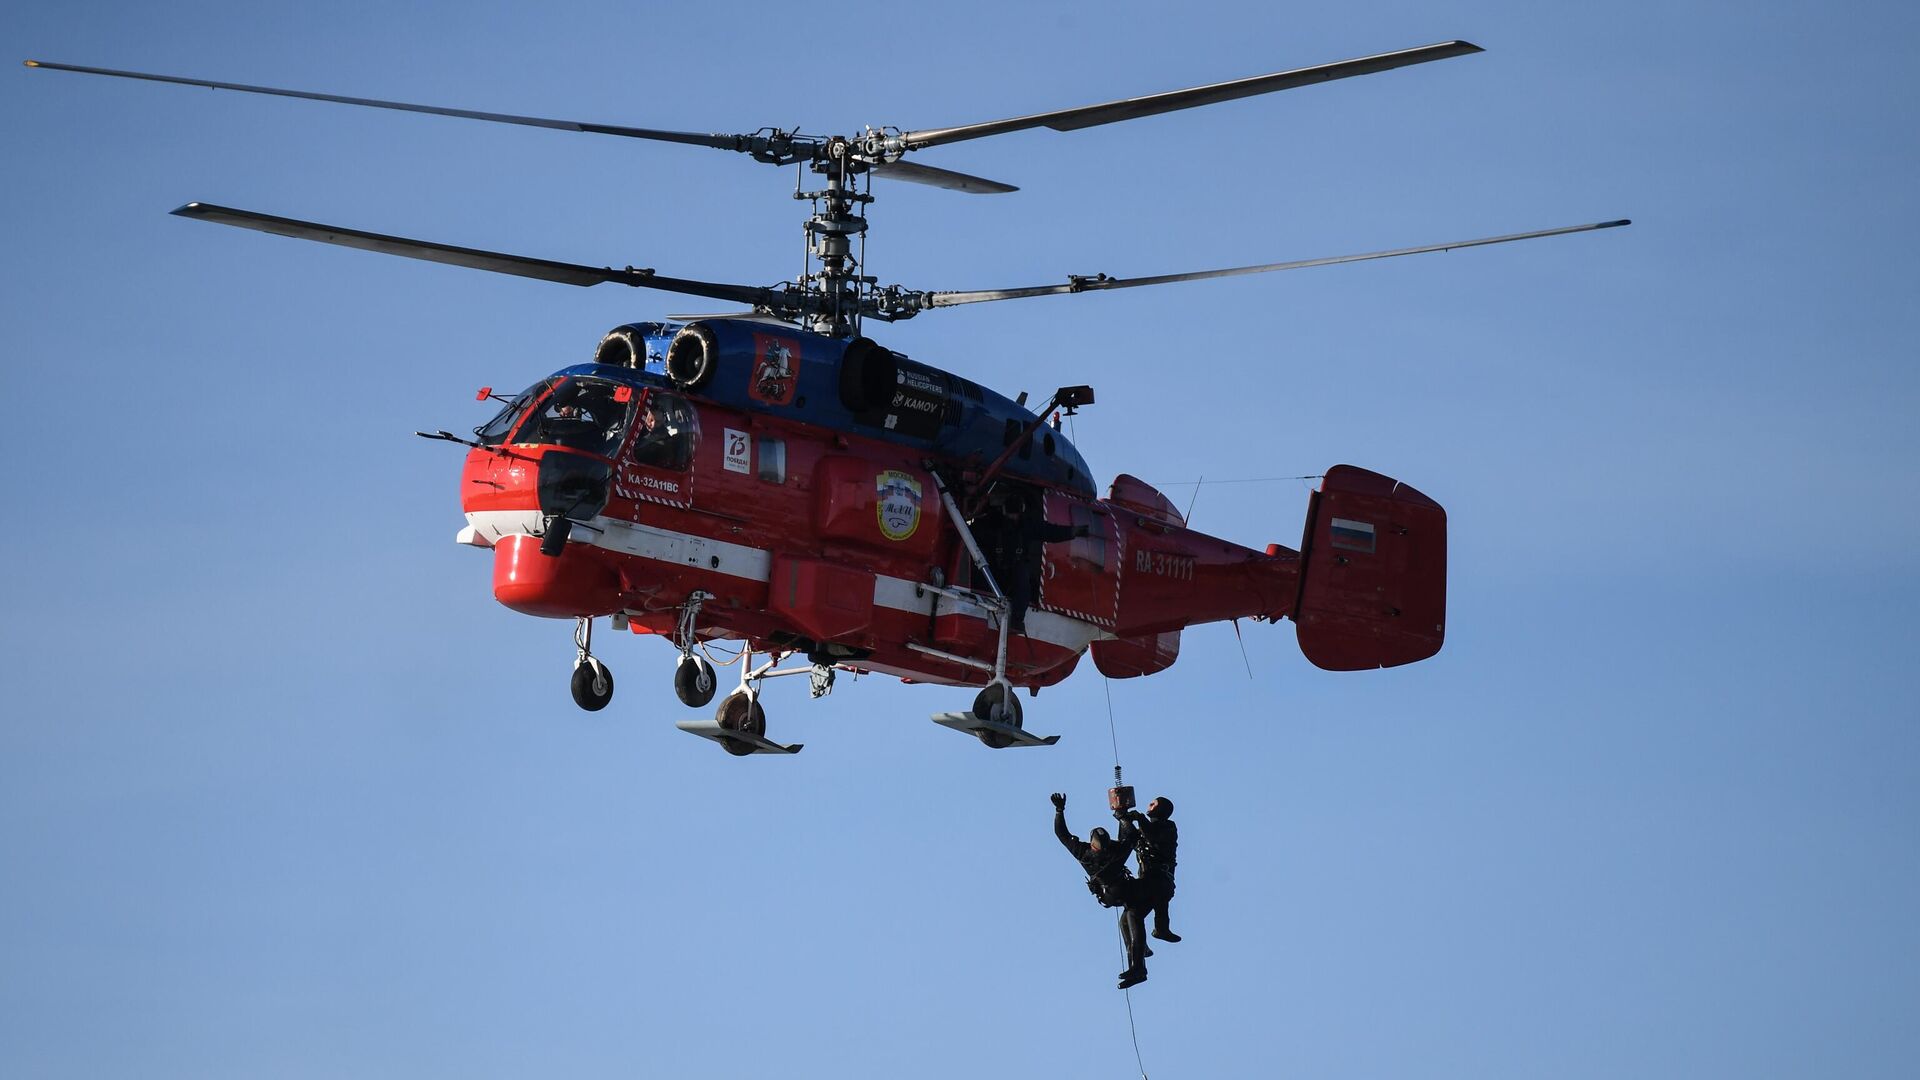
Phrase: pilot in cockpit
[570,403]
[652,432]
[584,415]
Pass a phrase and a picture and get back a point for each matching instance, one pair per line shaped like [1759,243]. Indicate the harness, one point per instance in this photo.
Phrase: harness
[1101,892]
[1109,893]
[1155,857]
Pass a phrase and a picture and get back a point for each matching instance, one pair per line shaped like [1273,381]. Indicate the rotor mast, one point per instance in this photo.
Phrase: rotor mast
[837,282]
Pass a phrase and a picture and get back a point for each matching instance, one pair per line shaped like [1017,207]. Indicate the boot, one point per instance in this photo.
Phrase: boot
[1164,934]
[1133,976]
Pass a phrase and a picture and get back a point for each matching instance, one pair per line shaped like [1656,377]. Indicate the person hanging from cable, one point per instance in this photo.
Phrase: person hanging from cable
[1104,858]
[1156,838]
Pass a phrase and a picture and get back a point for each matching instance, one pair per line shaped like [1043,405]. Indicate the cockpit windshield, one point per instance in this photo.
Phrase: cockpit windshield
[582,413]
[495,431]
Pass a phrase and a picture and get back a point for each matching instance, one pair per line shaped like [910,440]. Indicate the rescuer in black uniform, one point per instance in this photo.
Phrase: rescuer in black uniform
[1016,537]
[1156,839]
[1104,858]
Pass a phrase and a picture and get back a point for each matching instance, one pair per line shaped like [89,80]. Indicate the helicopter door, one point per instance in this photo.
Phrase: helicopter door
[1078,576]
[657,464]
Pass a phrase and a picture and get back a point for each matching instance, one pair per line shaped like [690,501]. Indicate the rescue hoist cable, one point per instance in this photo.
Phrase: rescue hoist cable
[1113,734]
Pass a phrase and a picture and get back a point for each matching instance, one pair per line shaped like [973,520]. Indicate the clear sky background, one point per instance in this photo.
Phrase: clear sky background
[283,792]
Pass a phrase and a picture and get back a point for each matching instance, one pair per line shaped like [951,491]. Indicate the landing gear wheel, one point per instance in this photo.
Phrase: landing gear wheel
[694,681]
[592,685]
[997,703]
[741,712]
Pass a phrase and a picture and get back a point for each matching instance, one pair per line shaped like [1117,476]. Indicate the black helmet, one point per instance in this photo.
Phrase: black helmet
[1099,838]
[1161,808]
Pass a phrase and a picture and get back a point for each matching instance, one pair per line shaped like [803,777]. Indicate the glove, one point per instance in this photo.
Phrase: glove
[1059,801]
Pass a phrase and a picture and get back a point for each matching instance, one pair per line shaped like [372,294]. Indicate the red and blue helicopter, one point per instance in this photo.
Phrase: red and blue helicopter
[774,483]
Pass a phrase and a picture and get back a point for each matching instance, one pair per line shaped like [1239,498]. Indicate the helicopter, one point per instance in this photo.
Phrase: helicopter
[774,482]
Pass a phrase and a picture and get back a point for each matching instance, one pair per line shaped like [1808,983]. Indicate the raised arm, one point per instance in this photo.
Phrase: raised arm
[1074,845]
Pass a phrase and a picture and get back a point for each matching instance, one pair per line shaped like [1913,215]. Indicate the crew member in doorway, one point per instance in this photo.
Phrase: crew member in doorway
[1018,533]
[1104,858]
[1156,837]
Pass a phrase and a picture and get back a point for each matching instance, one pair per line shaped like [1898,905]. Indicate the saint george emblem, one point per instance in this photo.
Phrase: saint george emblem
[776,369]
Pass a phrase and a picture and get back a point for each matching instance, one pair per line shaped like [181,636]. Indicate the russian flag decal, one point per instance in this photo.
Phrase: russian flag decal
[1353,535]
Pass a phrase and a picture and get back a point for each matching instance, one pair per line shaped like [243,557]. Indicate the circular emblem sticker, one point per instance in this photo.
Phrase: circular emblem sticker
[897,503]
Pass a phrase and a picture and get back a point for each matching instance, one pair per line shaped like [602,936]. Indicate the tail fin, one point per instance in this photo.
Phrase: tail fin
[1373,585]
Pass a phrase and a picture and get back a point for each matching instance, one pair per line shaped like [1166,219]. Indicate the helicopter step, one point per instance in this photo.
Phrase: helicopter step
[994,719]
[737,743]
[739,725]
[994,733]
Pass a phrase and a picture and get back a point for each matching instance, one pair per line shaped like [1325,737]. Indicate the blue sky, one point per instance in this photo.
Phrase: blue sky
[284,792]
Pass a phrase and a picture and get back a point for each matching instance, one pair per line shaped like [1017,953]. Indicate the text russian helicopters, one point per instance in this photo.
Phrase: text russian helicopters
[776,479]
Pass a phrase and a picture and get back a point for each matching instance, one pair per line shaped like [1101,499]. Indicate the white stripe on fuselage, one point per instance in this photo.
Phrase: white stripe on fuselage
[681,549]
[756,564]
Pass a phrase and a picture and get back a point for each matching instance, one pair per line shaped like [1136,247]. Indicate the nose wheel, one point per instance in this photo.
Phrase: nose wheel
[592,682]
[694,681]
[592,685]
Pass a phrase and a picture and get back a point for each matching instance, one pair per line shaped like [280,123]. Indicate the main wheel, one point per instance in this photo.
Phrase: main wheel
[996,702]
[739,711]
[694,681]
[592,686]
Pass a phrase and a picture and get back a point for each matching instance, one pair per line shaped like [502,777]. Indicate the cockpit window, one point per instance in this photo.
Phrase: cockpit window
[582,413]
[495,431]
[667,432]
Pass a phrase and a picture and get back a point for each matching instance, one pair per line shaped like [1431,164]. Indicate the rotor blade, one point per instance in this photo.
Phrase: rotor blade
[1132,108]
[520,265]
[736,316]
[743,143]
[923,301]
[940,178]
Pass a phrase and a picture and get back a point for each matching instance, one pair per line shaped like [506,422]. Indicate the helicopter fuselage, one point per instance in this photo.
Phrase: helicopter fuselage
[805,494]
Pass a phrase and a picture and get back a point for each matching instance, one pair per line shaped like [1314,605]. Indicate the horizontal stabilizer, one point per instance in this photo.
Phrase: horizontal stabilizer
[711,729]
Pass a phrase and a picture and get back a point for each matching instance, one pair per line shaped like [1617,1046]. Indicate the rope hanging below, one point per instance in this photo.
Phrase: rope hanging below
[1118,794]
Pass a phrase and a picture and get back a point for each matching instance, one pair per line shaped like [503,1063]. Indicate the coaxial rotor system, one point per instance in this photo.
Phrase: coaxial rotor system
[833,295]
